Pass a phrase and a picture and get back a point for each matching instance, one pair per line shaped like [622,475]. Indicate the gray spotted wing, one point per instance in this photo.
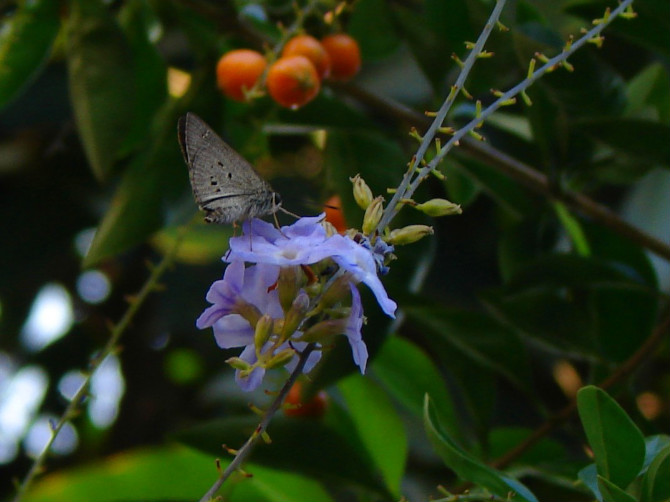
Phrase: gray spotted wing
[224,184]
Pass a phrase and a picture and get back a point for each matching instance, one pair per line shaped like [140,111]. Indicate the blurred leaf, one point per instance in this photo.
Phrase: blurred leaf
[149,69]
[654,446]
[460,188]
[573,228]
[101,82]
[589,477]
[650,89]
[25,44]
[650,29]
[642,139]
[475,337]
[418,377]
[656,482]
[513,198]
[577,304]
[617,444]
[298,445]
[371,26]
[201,245]
[547,450]
[166,474]
[612,493]
[379,427]
[468,467]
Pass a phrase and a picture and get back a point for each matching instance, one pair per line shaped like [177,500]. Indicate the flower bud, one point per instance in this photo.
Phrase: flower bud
[280,359]
[336,292]
[439,207]
[362,192]
[288,285]
[324,329]
[295,315]
[373,214]
[247,310]
[408,234]
[263,332]
[238,364]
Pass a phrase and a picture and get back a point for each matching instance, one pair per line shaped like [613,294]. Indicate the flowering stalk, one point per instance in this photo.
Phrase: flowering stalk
[412,180]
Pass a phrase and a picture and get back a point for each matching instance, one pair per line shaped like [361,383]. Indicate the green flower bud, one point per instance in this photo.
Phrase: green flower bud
[288,285]
[362,192]
[324,329]
[238,364]
[408,234]
[339,290]
[248,311]
[439,207]
[373,214]
[280,359]
[263,332]
[295,315]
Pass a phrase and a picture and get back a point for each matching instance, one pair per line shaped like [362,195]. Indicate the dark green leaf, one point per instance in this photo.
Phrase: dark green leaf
[149,70]
[418,377]
[371,26]
[298,445]
[25,44]
[101,82]
[379,427]
[545,451]
[616,442]
[476,337]
[612,493]
[650,89]
[640,139]
[468,467]
[656,482]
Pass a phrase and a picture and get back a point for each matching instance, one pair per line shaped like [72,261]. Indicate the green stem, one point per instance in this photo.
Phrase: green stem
[110,347]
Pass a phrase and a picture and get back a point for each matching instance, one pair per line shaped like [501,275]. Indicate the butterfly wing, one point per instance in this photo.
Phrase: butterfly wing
[224,184]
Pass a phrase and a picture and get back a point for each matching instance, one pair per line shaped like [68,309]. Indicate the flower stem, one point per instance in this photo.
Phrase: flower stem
[246,449]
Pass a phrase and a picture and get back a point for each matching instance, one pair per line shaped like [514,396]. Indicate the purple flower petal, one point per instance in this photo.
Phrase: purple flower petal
[353,330]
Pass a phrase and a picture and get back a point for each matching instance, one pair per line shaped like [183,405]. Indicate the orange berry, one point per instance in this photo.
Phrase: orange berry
[311,48]
[314,408]
[239,70]
[292,81]
[345,56]
[334,213]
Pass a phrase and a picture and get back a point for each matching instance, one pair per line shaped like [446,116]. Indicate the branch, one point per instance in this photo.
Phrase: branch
[244,452]
[110,347]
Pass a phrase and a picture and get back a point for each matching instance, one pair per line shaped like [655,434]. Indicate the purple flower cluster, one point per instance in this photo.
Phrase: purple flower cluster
[248,292]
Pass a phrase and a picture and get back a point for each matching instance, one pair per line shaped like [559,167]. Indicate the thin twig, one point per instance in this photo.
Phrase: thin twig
[111,347]
[623,371]
[244,452]
[404,191]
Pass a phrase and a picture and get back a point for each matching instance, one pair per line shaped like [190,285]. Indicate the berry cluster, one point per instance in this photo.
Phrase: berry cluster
[294,79]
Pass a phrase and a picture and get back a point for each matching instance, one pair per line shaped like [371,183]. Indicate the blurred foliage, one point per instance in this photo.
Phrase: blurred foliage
[506,312]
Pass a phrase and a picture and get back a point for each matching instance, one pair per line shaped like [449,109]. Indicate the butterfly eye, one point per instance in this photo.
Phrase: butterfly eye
[276,198]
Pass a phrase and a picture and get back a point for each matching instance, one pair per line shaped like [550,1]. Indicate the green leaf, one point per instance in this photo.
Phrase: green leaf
[656,482]
[650,90]
[371,26]
[468,467]
[167,474]
[612,493]
[476,337]
[545,451]
[573,228]
[616,442]
[418,377]
[26,39]
[101,82]
[641,139]
[149,70]
[379,427]
[298,445]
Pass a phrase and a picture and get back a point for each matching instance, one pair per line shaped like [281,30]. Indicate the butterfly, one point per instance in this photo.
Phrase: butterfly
[225,186]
